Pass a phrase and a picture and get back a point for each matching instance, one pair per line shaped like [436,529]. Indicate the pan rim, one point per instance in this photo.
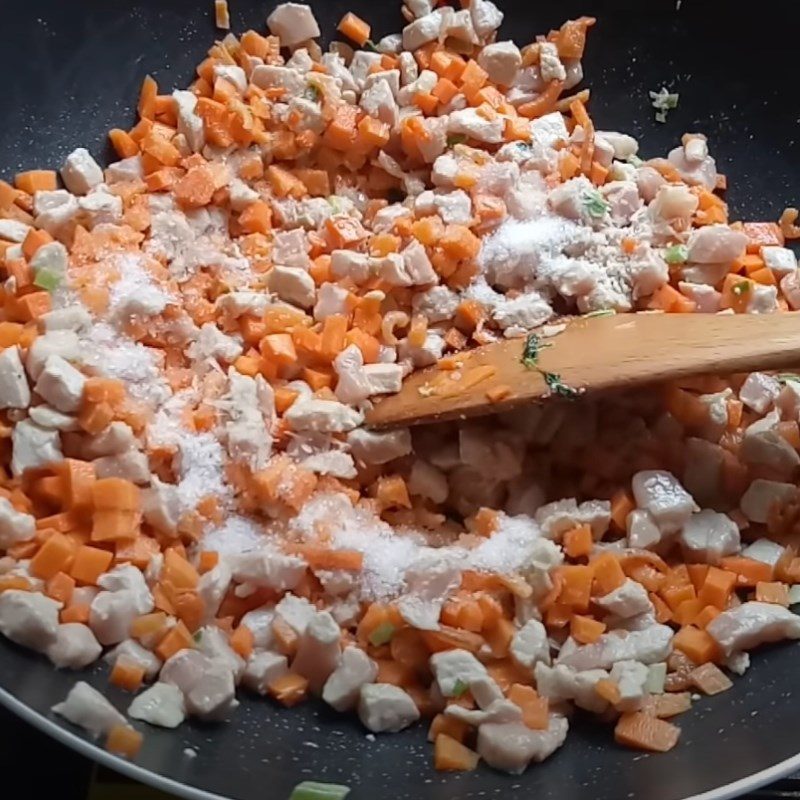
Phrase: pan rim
[169,785]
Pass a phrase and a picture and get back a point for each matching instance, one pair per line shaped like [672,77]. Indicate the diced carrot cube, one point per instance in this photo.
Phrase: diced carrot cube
[89,564]
[127,674]
[122,740]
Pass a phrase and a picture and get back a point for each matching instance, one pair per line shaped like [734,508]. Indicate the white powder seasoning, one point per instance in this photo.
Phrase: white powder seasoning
[136,291]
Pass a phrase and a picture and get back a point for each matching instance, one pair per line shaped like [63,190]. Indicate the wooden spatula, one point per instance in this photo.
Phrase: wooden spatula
[592,353]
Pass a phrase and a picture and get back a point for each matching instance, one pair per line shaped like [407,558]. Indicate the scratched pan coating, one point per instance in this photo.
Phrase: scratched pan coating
[71,71]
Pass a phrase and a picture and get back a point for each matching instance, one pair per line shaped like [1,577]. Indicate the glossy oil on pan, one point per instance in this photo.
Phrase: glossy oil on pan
[71,71]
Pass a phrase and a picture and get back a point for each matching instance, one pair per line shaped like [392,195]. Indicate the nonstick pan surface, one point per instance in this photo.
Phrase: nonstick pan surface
[71,71]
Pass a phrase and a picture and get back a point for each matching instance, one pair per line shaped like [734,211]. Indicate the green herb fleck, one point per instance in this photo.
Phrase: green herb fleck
[594,203]
[663,101]
[530,353]
[382,634]
[47,279]
[456,138]
[741,288]
[314,790]
[459,687]
[313,92]
[336,204]
[370,45]
[557,386]
[634,160]
[197,636]
[676,254]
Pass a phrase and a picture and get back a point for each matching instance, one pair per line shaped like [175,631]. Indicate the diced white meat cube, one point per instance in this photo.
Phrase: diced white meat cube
[419,8]
[627,600]
[60,384]
[648,646]
[328,416]
[184,668]
[211,342]
[660,493]
[333,462]
[530,645]
[190,124]
[426,480]
[752,624]
[469,122]
[233,74]
[55,211]
[630,677]
[126,577]
[670,202]
[430,578]
[716,244]
[485,691]
[498,711]
[454,668]
[383,378]
[459,26]
[486,17]
[212,588]
[28,618]
[763,446]
[418,267]
[72,318]
[13,231]
[161,505]
[707,298]
[292,284]
[161,704]
[643,532]
[318,652]
[263,668]
[694,164]
[550,66]
[526,311]
[762,299]
[296,612]
[241,196]
[86,707]
[131,651]
[132,466]
[14,389]
[764,550]
[207,685]
[708,536]
[74,647]
[127,169]
[111,615]
[562,683]
[81,172]
[293,23]
[331,299]
[561,515]
[15,526]
[267,568]
[624,145]
[502,61]
[549,129]
[213,641]
[33,446]
[343,688]
[781,260]
[391,77]
[347,264]
[268,76]
[378,101]
[379,447]
[62,343]
[511,746]
[383,707]
[361,66]
[623,202]
[100,207]
[790,286]
[761,495]
[759,391]
[421,31]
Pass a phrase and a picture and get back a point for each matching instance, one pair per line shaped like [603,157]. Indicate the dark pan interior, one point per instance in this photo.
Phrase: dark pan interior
[72,70]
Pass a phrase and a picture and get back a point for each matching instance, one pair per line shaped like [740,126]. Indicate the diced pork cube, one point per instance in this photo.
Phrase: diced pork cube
[71,318]
[781,260]
[60,384]
[486,17]
[759,391]
[81,173]
[379,447]
[764,550]
[763,446]
[111,615]
[262,668]
[343,688]
[383,707]
[190,124]
[421,31]
[660,493]
[642,529]
[530,645]
[453,668]
[14,389]
[752,624]
[327,416]
[267,568]
[86,707]
[15,526]
[708,535]
[627,600]
[562,683]
[161,704]
[319,652]
[648,646]
[761,495]
[511,746]
[502,61]
[331,299]
[161,505]
[74,647]
[293,23]
[29,618]
[469,122]
[131,651]
[630,677]
[33,446]
[550,66]
[716,244]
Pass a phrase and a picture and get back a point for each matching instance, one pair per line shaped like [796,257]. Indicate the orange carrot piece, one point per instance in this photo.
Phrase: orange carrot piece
[354,28]
[697,644]
[127,674]
[710,679]
[449,755]
[176,639]
[147,98]
[54,556]
[122,740]
[717,588]
[289,689]
[748,571]
[454,728]
[578,542]
[60,587]
[89,564]
[115,494]
[535,708]
[643,732]
[772,592]
[36,180]
[586,629]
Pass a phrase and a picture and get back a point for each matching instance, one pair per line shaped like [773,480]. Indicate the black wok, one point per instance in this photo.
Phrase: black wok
[71,70]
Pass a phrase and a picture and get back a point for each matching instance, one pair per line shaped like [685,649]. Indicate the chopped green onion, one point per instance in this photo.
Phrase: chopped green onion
[459,687]
[594,203]
[197,636]
[313,92]
[663,101]
[314,790]
[676,254]
[557,386]
[741,288]
[456,138]
[370,45]
[787,377]
[336,204]
[47,279]
[530,353]
[656,674]
[382,634]
[634,160]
